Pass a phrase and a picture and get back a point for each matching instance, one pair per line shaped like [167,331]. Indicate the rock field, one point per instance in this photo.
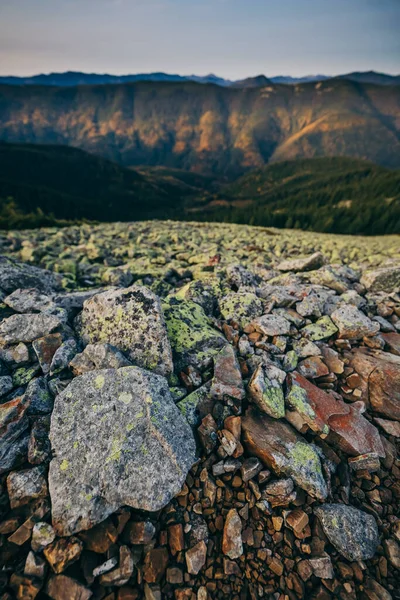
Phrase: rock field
[199,411]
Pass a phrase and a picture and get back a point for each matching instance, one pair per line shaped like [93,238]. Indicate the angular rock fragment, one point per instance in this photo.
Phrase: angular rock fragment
[29,300]
[380,375]
[118,439]
[14,275]
[196,558]
[61,587]
[352,323]
[227,379]
[385,279]
[267,393]
[241,307]
[121,575]
[131,319]
[323,329]
[45,348]
[42,535]
[62,553]
[271,325]
[63,356]
[325,414]
[98,356]
[353,532]
[193,339]
[282,449]
[26,485]
[27,327]
[195,406]
[308,263]
[38,399]
[232,544]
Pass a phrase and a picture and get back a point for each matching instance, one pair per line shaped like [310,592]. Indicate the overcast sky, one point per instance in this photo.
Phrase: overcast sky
[232,38]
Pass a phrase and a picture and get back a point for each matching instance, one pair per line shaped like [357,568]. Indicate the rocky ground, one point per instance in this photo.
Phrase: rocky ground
[199,411]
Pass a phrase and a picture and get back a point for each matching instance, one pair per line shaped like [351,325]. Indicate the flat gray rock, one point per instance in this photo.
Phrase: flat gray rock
[14,275]
[385,279]
[131,319]
[353,533]
[27,327]
[308,263]
[118,439]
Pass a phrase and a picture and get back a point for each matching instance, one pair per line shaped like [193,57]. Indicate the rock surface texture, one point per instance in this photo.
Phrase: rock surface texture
[226,428]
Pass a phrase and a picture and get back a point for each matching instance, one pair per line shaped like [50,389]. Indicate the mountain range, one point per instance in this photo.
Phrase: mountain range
[73,78]
[53,185]
[210,129]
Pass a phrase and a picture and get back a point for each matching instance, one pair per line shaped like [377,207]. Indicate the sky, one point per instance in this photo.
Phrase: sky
[232,38]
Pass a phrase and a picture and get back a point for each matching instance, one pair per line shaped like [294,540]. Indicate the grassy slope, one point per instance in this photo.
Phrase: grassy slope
[337,195]
[72,184]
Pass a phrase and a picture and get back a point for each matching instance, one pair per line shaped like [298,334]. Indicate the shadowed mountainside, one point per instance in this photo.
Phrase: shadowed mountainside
[210,129]
[53,183]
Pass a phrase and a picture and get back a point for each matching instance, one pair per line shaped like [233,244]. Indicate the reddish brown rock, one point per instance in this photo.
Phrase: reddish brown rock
[62,587]
[347,429]
[175,538]
[155,563]
[63,552]
[121,575]
[313,367]
[380,375]
[390,427]
[232,544]
[99,538]
[24,588]
[196,558]
[282,449]
[393,342]
[227,379]
[139,532]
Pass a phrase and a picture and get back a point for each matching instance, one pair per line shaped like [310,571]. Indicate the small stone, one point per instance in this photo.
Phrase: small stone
[38,397]
[267,394]
[365,462]
[121,575]
[42,535]
[39,448]
[26,485]
[227,379]
[139,532]
[98,356]
[35,566]
[62,587]
[24,588]
[250,468]
[241,307]
[323,329]
[62,553]
[62,356]
[352,323]
[390,427]
[6,385]
[105,567]
[232,544]
[297,520]
[196,558]
[45,348]
[155,563]
[392,551]
[101,537]
[271,325]
[176,539]
[322,567]
[308,263]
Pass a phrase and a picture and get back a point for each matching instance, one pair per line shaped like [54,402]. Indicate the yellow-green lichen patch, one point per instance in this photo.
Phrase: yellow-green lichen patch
[99,382]
[64,465]
[125,397]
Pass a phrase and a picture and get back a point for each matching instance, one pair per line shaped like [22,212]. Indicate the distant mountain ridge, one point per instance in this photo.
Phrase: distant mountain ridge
[72,78]
[210,129]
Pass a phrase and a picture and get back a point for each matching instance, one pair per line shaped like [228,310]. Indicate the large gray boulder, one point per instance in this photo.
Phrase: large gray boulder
[14,275]
[353,532]
[131,319]
[118,439]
